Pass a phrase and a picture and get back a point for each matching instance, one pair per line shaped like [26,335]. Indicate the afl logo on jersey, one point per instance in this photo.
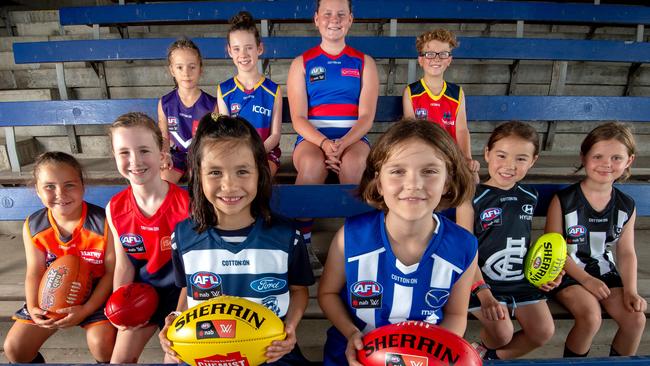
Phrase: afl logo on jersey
[316,74]
[172,123]
[490,217]
[576,231]
[421,113]
[132,243]
[205,285]
[366,295]
[234,109]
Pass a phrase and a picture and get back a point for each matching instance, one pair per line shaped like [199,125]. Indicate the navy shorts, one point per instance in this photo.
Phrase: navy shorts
[512,301]
[97,317]
[274,156]
[167,302]
[179,159]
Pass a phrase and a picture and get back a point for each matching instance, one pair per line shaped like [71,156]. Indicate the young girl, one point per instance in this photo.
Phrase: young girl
[415,261]
[67,225]
[432,98]
[501,216]
[230,185]
[332,91]
[595,216]
[249,94]
[142,218]
[180,110]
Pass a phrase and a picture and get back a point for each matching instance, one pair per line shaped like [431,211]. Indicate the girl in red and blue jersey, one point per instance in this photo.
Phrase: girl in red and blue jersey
[142,219]
[249,94]
[332,91]
[180,110]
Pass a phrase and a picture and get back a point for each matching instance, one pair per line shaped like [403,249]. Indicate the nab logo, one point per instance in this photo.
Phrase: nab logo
[576,231]
[366,288]
[205,280]
[131,240]
[528,209]
[490,214]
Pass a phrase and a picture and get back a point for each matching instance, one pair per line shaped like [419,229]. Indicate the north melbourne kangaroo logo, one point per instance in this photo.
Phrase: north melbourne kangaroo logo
[500,265]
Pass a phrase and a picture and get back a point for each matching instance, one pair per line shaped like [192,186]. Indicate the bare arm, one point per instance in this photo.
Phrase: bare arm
[455,310]
[462,131]
[367,104]
[221,106]
[465,216]
[407,106]
[298,105]
[124,271]
[164,128]
[276,123]
[627,267]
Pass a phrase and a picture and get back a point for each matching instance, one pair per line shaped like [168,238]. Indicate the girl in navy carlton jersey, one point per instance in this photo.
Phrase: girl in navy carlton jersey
[249,94]
[501,216]
[402,261]
[233,240]
[180,110]
[595,218]
[142,218]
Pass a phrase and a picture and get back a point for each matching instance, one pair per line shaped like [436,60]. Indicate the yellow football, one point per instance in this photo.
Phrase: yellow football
[225,330]
[545,259]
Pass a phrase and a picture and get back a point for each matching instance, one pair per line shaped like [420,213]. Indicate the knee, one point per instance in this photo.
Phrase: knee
[500,333]
[633,322]
[589,320]
[12,350]
[541,334]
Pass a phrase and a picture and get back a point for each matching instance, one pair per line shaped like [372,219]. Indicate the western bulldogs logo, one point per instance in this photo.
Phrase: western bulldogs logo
[576,231]
[436,298]
[528,209]
[205,285]
[316,74]
[234,109]
[267,284]
[421,113]
[490,217]
[366,295]
[132,243]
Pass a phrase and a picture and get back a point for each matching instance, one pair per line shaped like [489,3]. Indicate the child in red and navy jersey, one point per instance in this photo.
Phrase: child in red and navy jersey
[432,98]
[67,225]
[142,218]
[180,110]
[250,94]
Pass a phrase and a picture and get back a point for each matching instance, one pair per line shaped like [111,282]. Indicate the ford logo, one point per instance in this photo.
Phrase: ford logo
[267,284]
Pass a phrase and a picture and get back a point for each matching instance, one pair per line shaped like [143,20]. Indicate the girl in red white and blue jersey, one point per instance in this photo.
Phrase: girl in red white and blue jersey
[596,218]
[402,261]
[180,110]
[142,219]
[249,94]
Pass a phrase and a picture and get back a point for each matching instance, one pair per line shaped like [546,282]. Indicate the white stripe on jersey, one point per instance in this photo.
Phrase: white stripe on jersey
[368,265]
[234,239]
[528,193]
[481,196]
[333,123]
[571,219]
[442,272]
[247,261]
[402,301]
[597,249]
[180,140]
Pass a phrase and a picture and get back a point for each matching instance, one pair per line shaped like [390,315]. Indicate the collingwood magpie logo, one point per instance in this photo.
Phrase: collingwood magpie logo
[500,266]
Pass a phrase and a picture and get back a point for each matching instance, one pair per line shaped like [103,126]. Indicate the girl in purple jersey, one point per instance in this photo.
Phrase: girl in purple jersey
[180,110]
[249,94]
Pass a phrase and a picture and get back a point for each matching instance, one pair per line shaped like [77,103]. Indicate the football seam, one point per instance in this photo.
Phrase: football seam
[222,342]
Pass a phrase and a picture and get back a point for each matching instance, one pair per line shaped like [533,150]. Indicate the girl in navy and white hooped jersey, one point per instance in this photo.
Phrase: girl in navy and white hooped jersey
[231,244]
[402,261]
[596,218]
[180,110]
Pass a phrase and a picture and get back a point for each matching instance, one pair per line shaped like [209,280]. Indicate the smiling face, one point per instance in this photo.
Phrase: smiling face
[60,189]
[185,67]
[333,19]
[137,155]
[509,160]
[606,161]
[229,178]
[436,66]
[412,180]
[243,49]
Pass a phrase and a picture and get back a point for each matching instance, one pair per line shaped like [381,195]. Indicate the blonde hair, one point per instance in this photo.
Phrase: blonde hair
[137,119]
[610,131]
[441,35]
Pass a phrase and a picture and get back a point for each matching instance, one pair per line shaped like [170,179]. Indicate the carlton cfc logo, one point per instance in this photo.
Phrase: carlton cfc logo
[490,214]
[576,231]
[131,240]
[366,288]
[205,280]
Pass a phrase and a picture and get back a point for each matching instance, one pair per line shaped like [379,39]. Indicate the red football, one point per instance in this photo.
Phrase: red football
[416,343]
[65,283]
[132,304]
